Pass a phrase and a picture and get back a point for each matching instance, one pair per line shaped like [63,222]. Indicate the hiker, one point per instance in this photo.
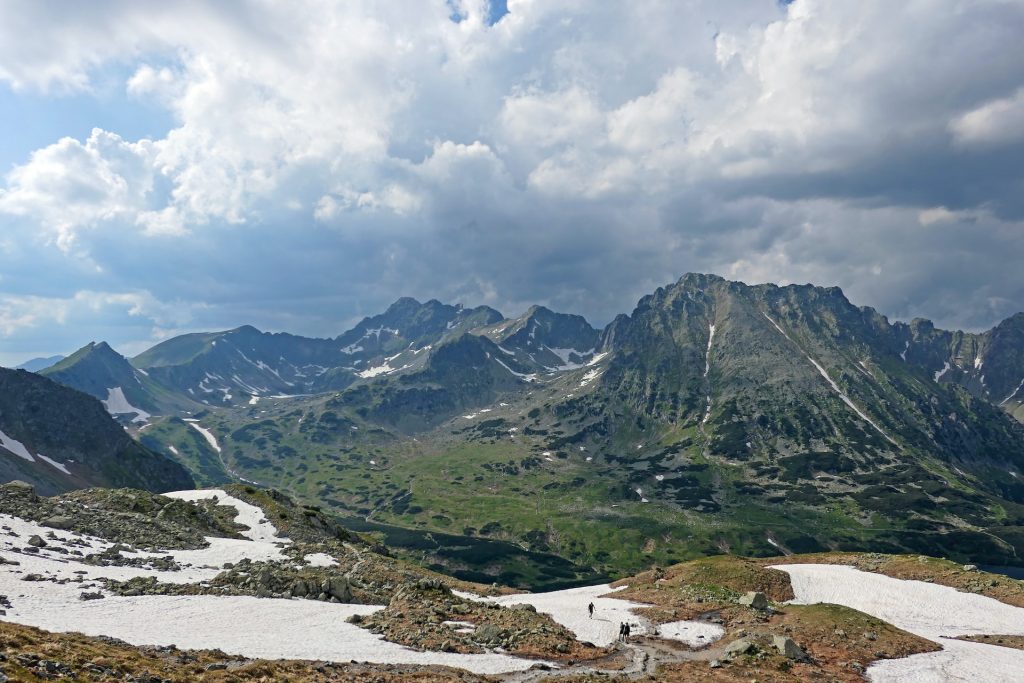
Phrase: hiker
[590,609]
[622,631]
[626,631]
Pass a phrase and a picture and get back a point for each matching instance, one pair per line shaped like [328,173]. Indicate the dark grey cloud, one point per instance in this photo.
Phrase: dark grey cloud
[325,162]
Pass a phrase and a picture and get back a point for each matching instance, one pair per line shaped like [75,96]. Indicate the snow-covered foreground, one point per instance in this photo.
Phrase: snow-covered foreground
[569,608]
[252,627]
[934,612]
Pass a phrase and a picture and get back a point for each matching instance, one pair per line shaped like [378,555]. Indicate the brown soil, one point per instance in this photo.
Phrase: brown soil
[31,655]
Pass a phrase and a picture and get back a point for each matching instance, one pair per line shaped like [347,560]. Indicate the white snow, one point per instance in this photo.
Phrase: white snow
[569,608]
[266,628]
[320,560]
[597,358]
[249,515]
[207,434]
[590,376]
[1014,393]
[707,354]
[903,353]
[835,387]
[385,369]
[520,375]
[931,611]
[943,371]
[172,449]
[564,356]
[16,447]
[978,362]
[693,633]
[59,465]
[253,400]
[117,404]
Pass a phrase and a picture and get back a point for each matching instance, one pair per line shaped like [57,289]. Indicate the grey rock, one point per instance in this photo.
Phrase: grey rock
[62,522]
[788,647]
[37,542]
[755,600]
[740,647]
[489,633]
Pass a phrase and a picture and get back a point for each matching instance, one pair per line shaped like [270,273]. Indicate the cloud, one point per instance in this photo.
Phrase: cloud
[329,157]
[998,121]
[71,185]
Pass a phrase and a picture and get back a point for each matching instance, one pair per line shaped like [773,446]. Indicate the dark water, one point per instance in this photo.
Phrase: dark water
[481,560]
[1012,572]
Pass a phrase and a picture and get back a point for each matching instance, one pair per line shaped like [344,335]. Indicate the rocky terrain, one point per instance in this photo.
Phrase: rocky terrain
[323,589]
[60,439]
[716,417]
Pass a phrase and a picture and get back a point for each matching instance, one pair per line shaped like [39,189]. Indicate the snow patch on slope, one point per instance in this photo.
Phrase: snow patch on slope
[1014,393]
[835,387]
[247,626]
[928,610]
[16,447]
[117,404]
[943,371]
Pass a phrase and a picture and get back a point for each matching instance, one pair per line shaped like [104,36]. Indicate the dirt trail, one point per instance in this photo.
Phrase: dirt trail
[644,655]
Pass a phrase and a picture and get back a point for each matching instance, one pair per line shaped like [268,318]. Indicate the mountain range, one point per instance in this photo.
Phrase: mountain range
[716,416]
[59,439]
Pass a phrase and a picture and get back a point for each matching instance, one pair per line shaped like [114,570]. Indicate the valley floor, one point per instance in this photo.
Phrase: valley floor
[682,630]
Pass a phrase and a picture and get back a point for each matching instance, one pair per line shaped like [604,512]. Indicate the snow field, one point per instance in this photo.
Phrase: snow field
[931,611]
[251,627]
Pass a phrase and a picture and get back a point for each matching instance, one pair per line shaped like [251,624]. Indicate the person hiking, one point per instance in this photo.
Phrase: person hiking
[626,631]
[622,631]
[590,609]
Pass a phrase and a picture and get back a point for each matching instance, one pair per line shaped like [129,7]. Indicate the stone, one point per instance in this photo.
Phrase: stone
[62,522]
[36,542]
[740,647]
[337,587]
[91,596]
[488,633]
[788,647]
[754,599]
[970,567]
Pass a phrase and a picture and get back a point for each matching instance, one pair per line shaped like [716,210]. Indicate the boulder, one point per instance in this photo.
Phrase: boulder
[740,647]
[337,587]
[788,647]
[62,522]
[36,542]
[754,599]
[300,589]
[489,633]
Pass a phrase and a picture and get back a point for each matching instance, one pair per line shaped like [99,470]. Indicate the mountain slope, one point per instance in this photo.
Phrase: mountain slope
[545,341]
[716,416]
[37,364]
[234,367]
[128,394]
[60,439]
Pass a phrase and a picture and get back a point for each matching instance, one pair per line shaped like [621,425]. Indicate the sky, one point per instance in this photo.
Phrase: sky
[174,165]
